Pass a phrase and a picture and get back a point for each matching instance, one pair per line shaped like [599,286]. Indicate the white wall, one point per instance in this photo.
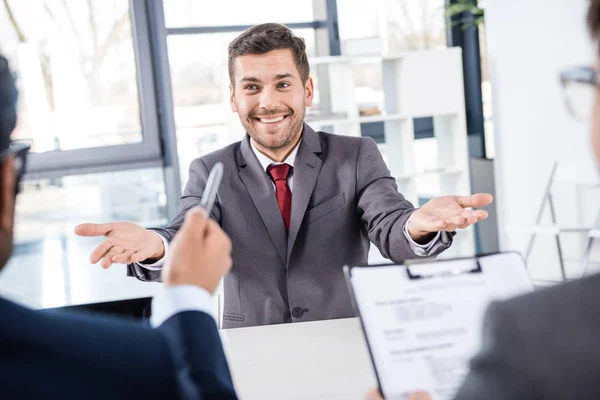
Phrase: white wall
[528,44]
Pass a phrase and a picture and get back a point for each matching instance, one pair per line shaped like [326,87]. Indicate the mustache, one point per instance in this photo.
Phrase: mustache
[269,113]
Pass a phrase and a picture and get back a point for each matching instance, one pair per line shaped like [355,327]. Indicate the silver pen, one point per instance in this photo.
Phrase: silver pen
[212,186]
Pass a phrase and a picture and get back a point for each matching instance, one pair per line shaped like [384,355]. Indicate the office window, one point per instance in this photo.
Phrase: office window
[200,81]
[184,13]
[50,266]
[399,25]
[50,208]
[76,72]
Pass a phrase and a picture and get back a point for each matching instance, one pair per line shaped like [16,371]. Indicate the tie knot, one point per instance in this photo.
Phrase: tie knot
[279,172]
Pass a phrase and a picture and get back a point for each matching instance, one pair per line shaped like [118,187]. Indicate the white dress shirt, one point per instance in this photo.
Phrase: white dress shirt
[188,299]
[265,162]
[173,300]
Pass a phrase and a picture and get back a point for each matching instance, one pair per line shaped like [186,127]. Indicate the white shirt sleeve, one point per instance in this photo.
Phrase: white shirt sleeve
[157,265]
[421,250]
[173,300]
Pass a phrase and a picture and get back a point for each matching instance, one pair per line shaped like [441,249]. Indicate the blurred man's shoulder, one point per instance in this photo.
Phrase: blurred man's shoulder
[563,306]
[572,290]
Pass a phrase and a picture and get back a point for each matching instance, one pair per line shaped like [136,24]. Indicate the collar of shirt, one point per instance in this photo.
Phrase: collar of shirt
[266,161]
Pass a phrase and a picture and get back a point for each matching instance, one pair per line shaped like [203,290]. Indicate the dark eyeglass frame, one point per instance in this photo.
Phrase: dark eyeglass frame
[19,150]
[587,75]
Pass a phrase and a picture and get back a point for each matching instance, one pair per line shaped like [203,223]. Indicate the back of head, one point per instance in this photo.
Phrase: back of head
[8,121]
[261,39]
[593,19]
[8,103]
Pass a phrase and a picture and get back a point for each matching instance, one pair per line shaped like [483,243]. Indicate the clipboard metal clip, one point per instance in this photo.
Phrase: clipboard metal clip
[452,272]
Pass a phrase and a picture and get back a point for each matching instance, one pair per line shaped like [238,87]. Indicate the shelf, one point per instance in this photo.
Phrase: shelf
[332,121]
[552,229]
[441,171]
[360,120]
[380,118]
[329,60]
[368,59]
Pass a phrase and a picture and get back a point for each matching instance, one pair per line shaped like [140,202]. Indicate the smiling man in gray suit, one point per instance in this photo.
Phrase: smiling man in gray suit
[297,204]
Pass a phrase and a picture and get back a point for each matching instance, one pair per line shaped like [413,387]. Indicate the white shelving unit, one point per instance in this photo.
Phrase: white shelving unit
[415,85]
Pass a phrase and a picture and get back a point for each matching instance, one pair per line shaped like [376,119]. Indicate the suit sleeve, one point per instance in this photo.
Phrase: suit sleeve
[383,210]
[500,370]
[192,195]
[200,363]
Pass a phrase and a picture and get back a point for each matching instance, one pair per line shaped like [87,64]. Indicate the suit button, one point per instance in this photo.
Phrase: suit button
[298,312]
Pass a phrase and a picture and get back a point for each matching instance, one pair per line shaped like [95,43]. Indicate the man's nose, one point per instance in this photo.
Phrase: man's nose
[270,99]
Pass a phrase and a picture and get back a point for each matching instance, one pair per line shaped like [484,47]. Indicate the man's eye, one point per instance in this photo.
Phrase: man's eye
[251,87]
[283,85]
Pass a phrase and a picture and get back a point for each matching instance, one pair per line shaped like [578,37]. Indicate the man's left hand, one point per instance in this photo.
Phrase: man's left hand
[447,213]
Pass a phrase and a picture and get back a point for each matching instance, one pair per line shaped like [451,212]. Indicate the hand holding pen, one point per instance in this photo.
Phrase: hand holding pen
[200,252]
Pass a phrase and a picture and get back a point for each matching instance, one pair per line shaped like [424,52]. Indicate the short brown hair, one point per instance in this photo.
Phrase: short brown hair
[261,39]
[593,19]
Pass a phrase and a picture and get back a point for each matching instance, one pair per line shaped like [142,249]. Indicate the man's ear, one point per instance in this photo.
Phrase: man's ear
[309,88]
[232,99]
[7,195]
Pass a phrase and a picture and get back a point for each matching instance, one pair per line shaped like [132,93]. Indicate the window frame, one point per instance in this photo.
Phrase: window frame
[147,153]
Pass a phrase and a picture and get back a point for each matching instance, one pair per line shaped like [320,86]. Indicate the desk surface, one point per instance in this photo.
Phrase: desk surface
[311,360]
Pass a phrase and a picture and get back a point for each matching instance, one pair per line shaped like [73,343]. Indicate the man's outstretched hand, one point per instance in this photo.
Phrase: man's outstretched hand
[125,243]
[447,213]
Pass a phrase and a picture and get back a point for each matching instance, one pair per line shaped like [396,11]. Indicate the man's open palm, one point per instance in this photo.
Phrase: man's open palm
[448,213]
[125,242]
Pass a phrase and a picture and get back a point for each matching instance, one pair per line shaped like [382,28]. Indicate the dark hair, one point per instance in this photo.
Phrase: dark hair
[261,39]
[593,19]
[8,103]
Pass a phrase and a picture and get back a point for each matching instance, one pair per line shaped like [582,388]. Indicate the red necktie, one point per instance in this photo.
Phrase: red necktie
[279,174]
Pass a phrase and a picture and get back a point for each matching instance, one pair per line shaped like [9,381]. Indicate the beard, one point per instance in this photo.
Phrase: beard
[283,139]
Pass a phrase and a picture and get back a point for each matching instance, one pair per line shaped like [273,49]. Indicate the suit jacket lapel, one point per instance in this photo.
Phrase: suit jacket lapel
[306,171]
[261,191]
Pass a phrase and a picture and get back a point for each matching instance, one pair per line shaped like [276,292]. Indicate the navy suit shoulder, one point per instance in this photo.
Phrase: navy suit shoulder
[51,354]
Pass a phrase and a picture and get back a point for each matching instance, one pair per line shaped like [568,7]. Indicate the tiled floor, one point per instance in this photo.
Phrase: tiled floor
[56,272]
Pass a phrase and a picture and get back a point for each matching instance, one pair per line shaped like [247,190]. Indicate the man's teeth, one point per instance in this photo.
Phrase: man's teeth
[271,121]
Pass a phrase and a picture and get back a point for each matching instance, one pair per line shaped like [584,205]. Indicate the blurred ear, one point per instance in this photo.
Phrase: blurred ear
[310,91]
[232,99]
[7,208]
[7,196]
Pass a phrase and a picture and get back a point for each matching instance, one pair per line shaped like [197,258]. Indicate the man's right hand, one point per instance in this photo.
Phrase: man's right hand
[125,243]
[199,254]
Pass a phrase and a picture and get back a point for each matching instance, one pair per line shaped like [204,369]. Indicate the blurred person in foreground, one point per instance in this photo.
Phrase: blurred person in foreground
[545,345]
[63,356]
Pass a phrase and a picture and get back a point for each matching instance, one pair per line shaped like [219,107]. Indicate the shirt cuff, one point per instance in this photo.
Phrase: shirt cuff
[180,298]
[421,250]
[157,266]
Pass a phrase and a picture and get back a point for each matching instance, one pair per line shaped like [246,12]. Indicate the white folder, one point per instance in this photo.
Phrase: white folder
[422,320]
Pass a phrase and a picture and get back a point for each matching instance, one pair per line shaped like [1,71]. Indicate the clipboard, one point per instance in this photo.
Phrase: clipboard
[430,280]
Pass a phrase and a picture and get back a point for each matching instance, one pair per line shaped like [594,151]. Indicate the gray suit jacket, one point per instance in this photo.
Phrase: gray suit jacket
[543,345]
[343,198]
